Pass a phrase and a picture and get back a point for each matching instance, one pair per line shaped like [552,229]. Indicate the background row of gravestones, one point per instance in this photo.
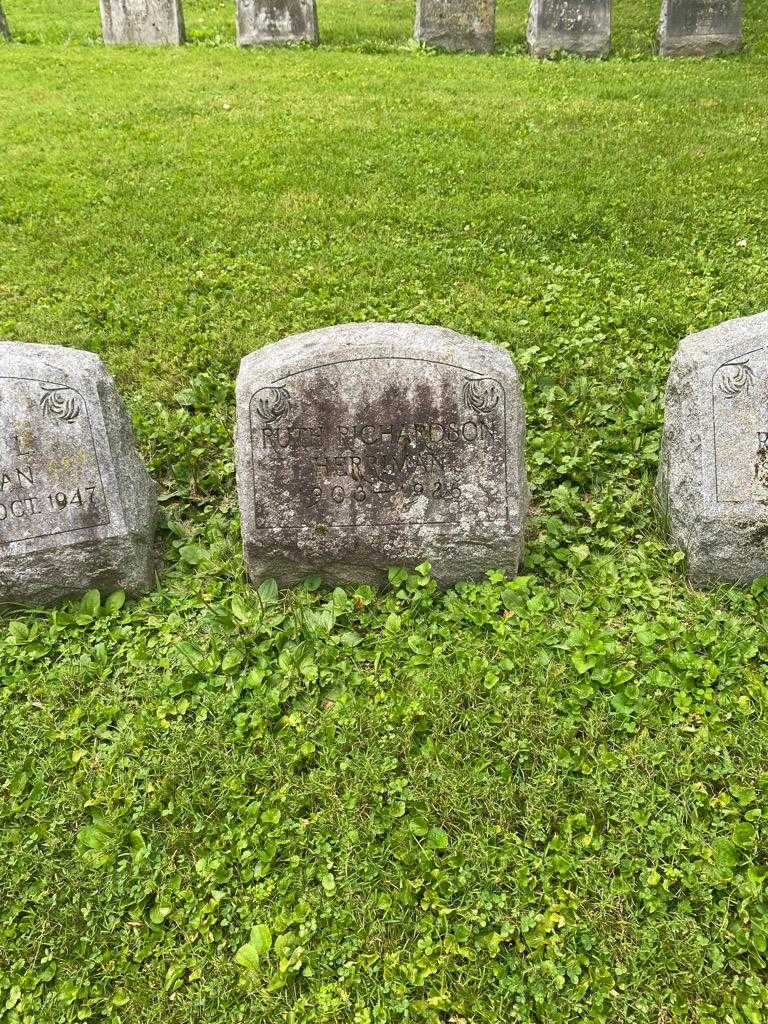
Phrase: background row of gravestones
[357,448]
[686,27]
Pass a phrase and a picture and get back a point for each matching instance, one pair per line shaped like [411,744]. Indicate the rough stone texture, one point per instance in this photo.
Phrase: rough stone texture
[364,446]
[713,476]
[150,22]
[261,22]
[5,32]
[456,25]
[77,508]
[699,28]
[572,26]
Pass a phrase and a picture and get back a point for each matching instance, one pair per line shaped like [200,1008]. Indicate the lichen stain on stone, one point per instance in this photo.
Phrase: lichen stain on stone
[761,467]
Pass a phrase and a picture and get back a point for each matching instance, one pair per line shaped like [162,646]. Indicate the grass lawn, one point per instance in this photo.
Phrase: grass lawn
[539,800]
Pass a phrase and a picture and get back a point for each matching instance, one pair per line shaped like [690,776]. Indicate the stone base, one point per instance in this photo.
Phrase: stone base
[456,26]
[47,577]
[368,561]
[276,22]
[699,46]
[588,46]
[580,27]
[145,22]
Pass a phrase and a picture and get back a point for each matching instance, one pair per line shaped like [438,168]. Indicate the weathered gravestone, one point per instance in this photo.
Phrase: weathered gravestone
[573,26]
[713,477]
[456,25]
[364,446]
[151,22]
[5,32]
[77,508]
[703,28]
[262,22]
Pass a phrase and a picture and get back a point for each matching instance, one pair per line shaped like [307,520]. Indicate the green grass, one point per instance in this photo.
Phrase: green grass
[532,801]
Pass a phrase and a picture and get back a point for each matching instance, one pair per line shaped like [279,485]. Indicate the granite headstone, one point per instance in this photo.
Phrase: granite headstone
[77,508]
[700,28]
[364,446]
[150,22]
[571,26]
[713,476]
[264,22]
[456,25]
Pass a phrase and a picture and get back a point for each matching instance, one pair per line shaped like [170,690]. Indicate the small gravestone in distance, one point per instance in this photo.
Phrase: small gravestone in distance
[582,27]
[265,22]
[366,446]
[456,25]
[149,22]
[5,32]
[713,475]
[77,508]
[699,28]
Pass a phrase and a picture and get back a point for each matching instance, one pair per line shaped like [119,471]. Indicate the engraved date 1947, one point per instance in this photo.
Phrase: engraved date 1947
[47,504]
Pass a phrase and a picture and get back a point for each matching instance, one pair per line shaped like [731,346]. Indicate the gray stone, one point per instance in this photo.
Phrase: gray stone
[572,26]
[5,31]
[699,28]
[77,508]
[456,25]
[150,22]
[713,476]
[264,22]
[364,446]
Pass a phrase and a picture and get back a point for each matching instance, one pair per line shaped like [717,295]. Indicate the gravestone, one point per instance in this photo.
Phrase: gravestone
[573,26]
[713,476]
[456,25]
[261,22]
[699,28]
[77,508]
[151,22]
[364,446]
[5,32]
